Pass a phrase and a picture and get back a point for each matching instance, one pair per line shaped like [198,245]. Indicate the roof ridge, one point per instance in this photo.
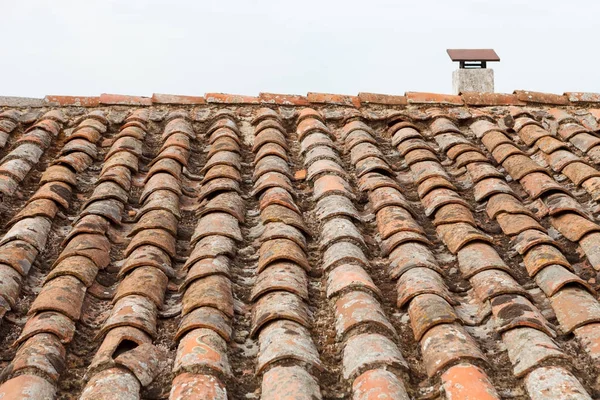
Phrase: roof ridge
[471,99]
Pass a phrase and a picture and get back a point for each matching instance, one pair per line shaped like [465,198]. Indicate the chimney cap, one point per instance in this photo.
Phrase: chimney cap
[473,55]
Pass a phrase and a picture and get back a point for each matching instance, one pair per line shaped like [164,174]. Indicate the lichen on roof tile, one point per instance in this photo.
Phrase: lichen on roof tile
[316,245]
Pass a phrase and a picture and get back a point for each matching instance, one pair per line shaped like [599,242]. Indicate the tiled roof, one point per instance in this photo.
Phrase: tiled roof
[300,247]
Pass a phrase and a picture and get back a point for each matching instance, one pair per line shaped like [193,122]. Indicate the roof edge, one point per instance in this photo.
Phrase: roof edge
[471,99]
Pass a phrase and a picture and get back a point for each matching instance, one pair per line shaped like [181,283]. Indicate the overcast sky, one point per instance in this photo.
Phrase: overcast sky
[88,47]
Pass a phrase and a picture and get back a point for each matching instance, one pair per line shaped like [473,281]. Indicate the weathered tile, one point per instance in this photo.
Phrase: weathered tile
[357,308]
[554,383]
[427,311]
[575,307]
[378,384]
[283,340]
[189,386]
[528,348]
[447,343]
[291,382]
[512,311]
[366,350]
[418,281]
[27,386]
[202,349]
[347,277]
[468,382]
[279,305]
[112,381]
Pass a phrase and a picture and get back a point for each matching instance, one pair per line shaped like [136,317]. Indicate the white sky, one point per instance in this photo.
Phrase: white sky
[137,47]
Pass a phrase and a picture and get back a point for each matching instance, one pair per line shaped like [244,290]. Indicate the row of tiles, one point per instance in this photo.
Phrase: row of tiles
[526,334]
[419,276]
[518,97]
[131,327]
[30,147]
[328,188]
[116,115]
[52,317]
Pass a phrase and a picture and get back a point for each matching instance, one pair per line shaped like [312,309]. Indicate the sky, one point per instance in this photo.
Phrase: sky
[88,47]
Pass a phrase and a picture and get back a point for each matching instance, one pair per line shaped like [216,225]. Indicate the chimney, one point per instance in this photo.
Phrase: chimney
[472,74]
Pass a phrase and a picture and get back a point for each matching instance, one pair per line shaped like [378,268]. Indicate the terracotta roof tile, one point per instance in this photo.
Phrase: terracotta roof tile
[78,101]
[527,348]
[541,98]
[330,246]
[284,99]
[379,383]
[158,98]
[433,98]
[583,97]
[337,99]
[289,381]
[13,101]
[120,99]
[490,99]
[23,386]
[386,99]
[543,384]
[225,98]
[466,381]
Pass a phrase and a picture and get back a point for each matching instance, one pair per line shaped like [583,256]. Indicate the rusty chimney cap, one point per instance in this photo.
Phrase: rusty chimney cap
[473,55]
[473,58]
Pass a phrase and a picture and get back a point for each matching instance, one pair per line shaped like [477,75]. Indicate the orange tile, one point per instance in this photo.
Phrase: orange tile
[79,101]
[378,384]
[468,382]
[541,98]
[300,175]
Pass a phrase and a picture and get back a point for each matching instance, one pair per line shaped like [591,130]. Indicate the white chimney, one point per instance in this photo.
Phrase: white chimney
[472,74]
